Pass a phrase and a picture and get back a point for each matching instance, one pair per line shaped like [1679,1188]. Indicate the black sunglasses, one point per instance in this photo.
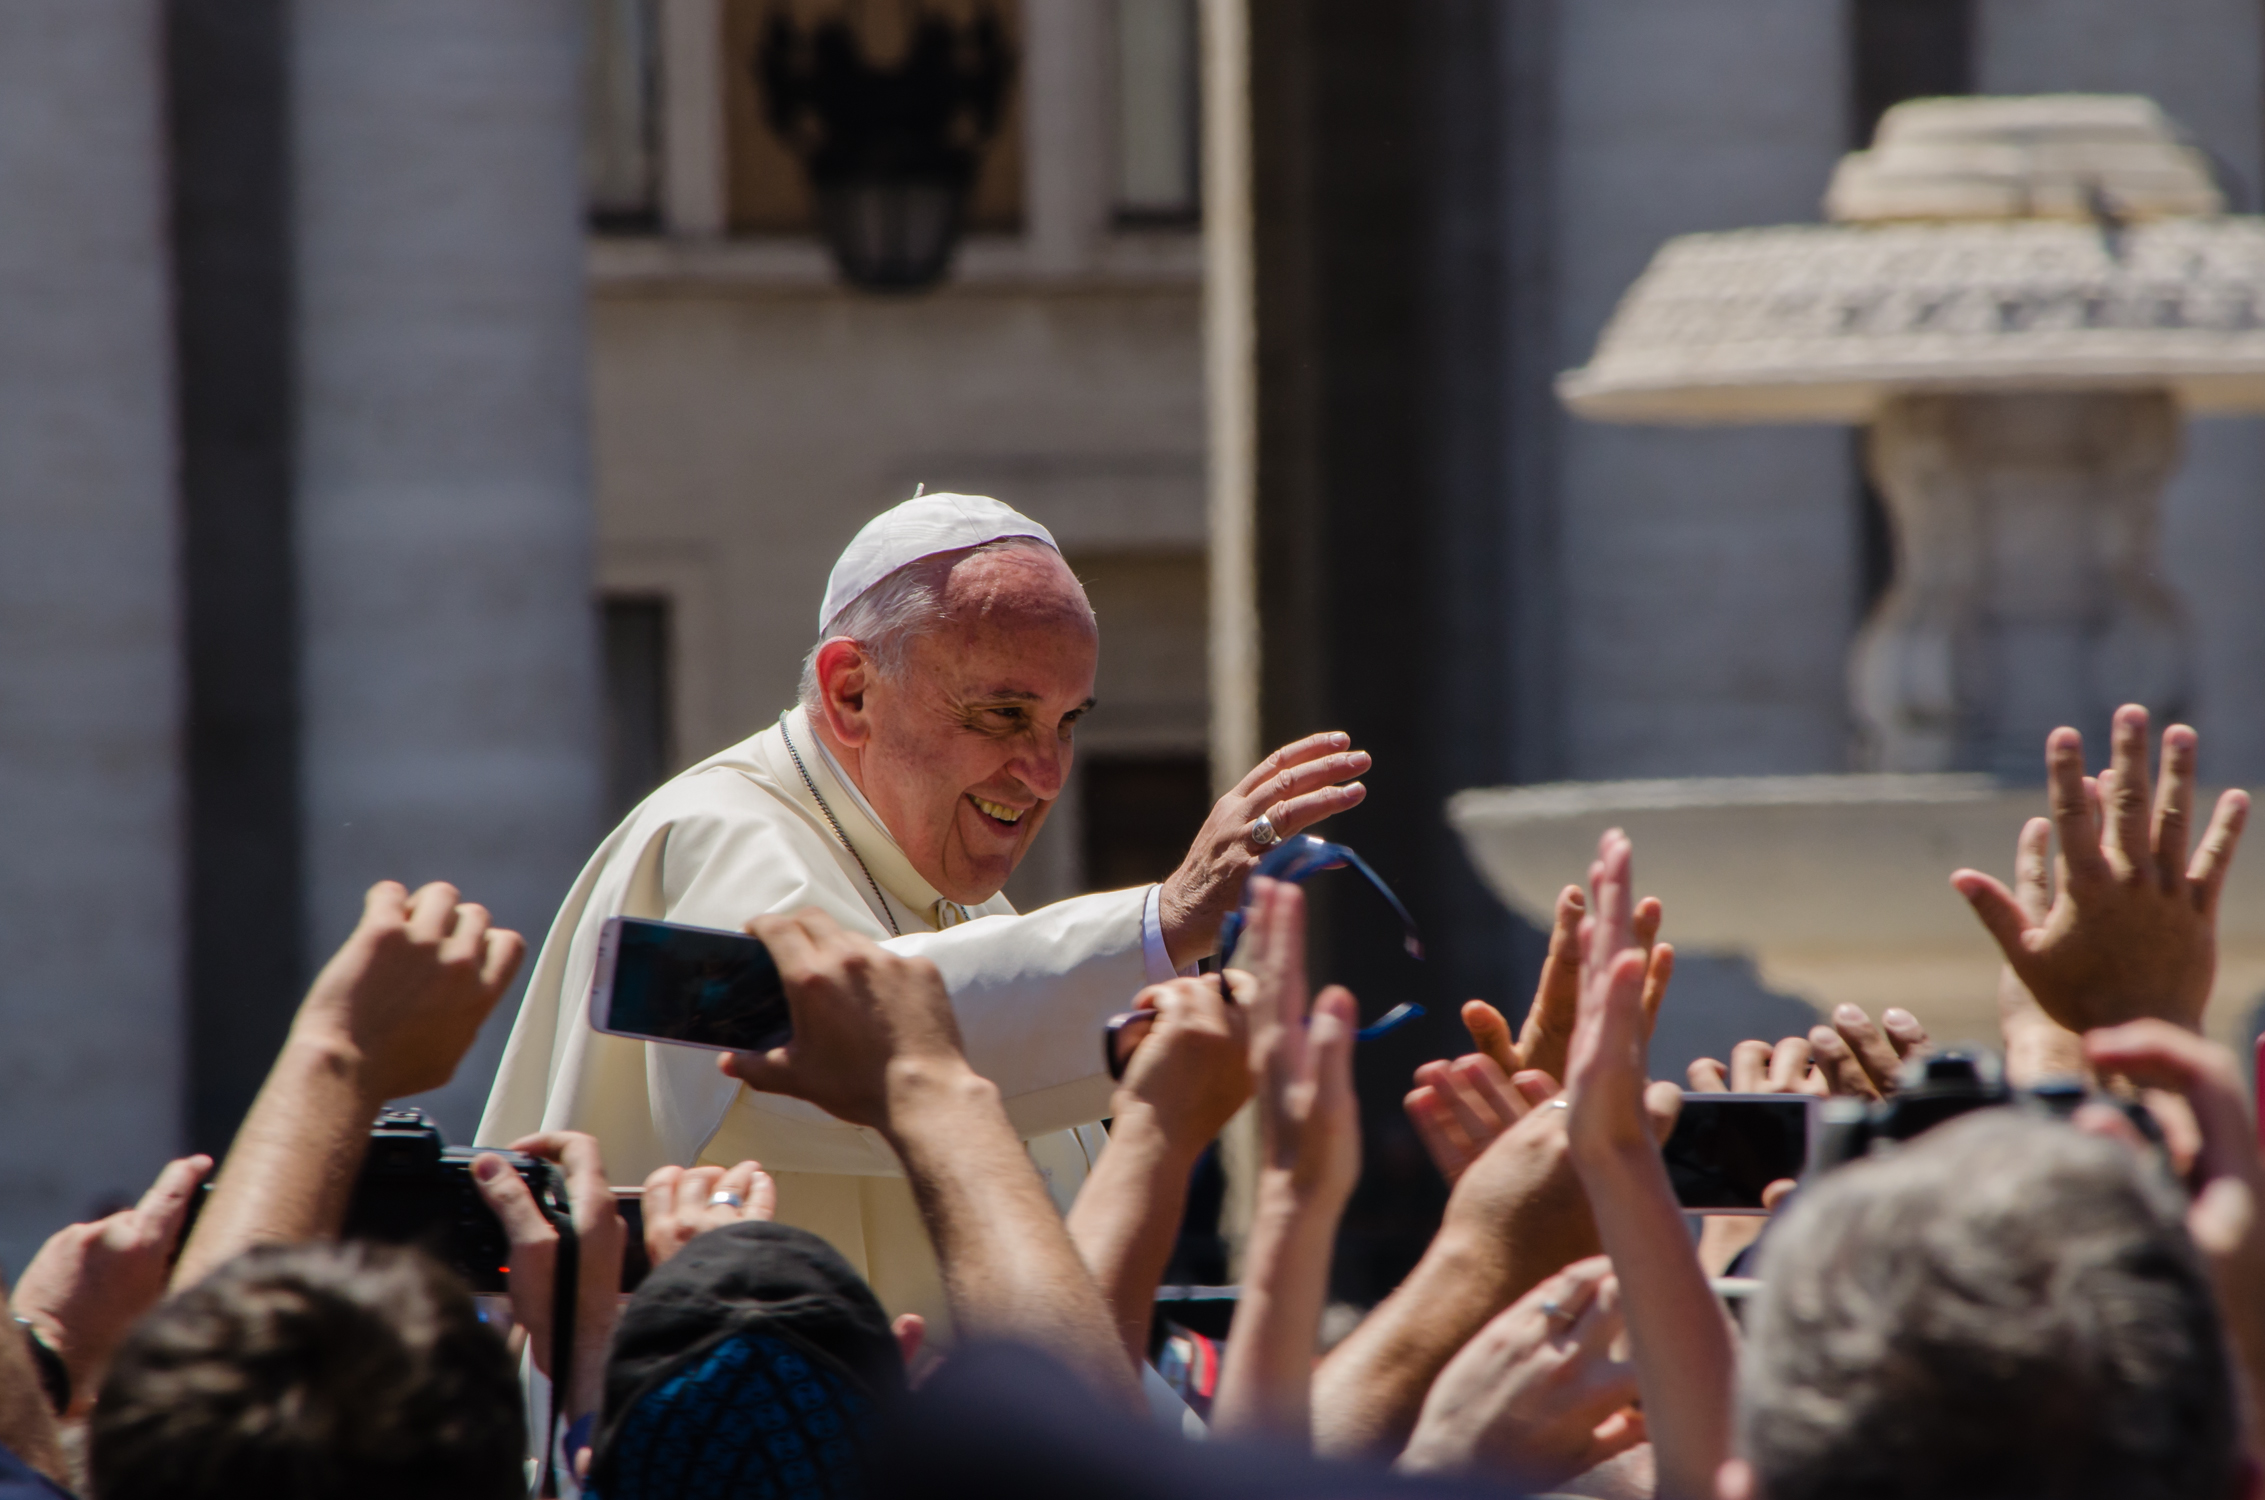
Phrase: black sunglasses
[1297,860]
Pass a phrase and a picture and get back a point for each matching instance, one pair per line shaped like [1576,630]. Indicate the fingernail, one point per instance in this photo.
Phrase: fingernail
[486,1167]
[1899,1015]
[1847,1013]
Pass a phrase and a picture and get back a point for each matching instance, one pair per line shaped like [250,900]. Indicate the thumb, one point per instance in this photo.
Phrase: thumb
[1490,1033]
[508,1199]
[2222,1217]
[1999,913]
[765,1072]
[1663,1103]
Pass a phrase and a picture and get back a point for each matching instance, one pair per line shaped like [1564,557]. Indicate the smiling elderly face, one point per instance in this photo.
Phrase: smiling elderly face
[967,744]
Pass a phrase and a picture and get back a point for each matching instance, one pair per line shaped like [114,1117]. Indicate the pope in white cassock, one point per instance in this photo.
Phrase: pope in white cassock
[956,654]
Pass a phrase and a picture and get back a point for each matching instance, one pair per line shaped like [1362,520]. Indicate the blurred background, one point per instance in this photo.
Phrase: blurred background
[425,427]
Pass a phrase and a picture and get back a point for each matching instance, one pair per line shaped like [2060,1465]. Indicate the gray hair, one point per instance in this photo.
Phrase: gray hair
[888,617]
[2006,1306]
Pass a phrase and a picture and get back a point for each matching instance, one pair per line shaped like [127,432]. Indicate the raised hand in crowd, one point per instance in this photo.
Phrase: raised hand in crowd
[392,1013]
[1851,1057]
[875,1043]
[680,1203]
[1678,1333]
[1537,1396]
[1548,1028]
[1293,789]
[1309,1159]
[2131,927]
[600,1236]
[90,1282]
[1184,1082]
[1460,1104]
[1514,1216]
[2227,1181]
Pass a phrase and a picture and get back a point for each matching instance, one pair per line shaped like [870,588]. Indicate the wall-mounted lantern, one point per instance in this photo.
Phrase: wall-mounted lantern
[891,151]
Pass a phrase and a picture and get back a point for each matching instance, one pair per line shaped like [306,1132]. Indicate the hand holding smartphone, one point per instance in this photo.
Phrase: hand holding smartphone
[1726,1149]
[688,986]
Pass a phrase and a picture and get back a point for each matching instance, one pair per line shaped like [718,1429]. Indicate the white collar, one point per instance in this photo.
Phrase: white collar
[848,785]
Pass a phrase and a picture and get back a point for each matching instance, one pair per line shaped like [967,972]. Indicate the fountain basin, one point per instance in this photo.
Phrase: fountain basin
[1836,887]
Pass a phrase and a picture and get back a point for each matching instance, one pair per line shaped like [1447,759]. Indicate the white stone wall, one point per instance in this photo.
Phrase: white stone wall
[2203,61]
[91,956]
[1707,579]
[449,662]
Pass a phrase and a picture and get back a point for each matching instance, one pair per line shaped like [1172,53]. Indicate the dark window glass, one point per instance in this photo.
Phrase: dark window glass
[1141,813]
[640,750]
[1158,114]
[1907,49]
[621,115]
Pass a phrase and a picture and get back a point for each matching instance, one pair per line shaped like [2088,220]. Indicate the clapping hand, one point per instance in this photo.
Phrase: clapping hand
[2130,930]
[1548,1030]
[1536,1396]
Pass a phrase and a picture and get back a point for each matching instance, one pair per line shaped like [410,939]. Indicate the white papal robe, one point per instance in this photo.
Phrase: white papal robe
[740,834]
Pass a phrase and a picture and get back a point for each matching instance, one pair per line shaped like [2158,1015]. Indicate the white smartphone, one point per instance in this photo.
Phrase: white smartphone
[688,986]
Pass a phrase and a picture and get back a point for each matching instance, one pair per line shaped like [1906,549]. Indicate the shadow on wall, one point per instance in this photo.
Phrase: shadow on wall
[1715,1003]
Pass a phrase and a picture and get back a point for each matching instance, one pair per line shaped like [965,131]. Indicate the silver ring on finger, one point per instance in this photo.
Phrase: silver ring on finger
[1263,833]
[726,1200]
[1556,1311]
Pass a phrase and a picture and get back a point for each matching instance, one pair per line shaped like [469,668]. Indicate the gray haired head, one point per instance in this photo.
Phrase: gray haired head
[2003,1307]
[902,607]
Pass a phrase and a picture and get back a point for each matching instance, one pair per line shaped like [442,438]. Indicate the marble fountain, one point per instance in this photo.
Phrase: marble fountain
[2020,300]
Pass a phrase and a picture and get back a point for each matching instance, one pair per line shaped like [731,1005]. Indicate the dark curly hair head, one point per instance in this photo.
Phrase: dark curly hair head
[346,1370]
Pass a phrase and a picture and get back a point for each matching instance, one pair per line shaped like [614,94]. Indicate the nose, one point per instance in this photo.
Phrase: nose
[1044,766]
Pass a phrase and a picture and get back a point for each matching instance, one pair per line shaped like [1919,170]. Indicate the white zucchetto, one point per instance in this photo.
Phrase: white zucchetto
[921,527]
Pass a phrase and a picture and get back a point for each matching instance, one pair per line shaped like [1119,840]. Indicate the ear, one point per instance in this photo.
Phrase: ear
[845,676]
[911,1330]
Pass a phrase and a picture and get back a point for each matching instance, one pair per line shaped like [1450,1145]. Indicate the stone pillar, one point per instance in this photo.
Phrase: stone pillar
[2028,590]
[1706,578]
[90,663]
[443,494]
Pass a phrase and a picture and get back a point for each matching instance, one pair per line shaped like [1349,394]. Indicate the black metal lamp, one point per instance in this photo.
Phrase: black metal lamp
[891,152]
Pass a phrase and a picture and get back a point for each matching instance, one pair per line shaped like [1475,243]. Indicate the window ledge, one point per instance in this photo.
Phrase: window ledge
[1128,259]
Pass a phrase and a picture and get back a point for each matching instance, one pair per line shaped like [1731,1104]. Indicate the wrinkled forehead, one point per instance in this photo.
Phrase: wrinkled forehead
[1016,587]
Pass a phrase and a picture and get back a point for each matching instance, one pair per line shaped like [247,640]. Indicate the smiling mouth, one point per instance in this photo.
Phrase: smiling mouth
[998,812]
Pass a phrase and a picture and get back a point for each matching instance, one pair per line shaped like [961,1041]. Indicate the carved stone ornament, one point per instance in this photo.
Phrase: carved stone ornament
[2023,375]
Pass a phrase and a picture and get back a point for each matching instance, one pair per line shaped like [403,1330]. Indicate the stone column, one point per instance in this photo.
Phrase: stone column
[2028,589]
[90,662]
[443,496]
[1706,578]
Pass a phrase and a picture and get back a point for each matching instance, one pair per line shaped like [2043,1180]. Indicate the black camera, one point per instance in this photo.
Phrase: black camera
[415,1189]
[1942,1085]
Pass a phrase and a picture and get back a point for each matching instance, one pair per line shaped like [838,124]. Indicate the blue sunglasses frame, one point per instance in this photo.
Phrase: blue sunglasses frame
[1297,860]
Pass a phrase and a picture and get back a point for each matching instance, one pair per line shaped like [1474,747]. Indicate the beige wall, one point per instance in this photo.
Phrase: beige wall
[745,431]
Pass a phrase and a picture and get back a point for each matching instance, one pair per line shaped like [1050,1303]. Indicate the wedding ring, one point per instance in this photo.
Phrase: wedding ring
[727,1200]
[1263,833]
[1555,1312]
[1560,1104]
